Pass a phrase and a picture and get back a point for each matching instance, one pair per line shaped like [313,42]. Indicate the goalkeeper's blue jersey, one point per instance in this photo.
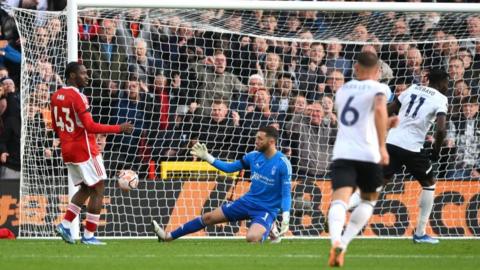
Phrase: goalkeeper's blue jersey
[270,179]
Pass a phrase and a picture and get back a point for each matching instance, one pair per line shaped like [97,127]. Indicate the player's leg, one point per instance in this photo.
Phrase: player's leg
[75,205]
[194,225]
[421,169]
[343,175]
[94,174]
[261,225]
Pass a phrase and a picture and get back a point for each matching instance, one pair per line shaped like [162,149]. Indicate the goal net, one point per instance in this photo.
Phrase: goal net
[215,76]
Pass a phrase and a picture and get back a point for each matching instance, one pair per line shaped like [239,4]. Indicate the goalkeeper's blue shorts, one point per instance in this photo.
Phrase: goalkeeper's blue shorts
[241,210]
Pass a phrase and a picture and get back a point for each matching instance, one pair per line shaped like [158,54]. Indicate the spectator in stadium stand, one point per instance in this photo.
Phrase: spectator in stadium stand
[414,64]
[261,116]
[433,51]
[303,51]
[449,50]
[269,25]
[282,95]
[46,74]
[254,54]
[334,81]
[3,72]
[456,72]
[399,27]
[311,142]
[245,101]
[273,67]
[182,98]
[3,105]
[12,97]
[105,56]
[174,46]
[215,82]
[293,26]
[41,97]
[334,60]
[142,63]
[136,108]
[133,27]
[29,4]
[162,111]
[10,161]
[470,72]
[473,28]
[219,131]
[386,72]
[397,54]
[464,138]
[314,73]
[329,118]
[461,90]
[109,99]
[359,33]
[313,20]
[88,25]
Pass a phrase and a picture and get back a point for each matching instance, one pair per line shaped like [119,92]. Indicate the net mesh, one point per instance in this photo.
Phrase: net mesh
[215,76]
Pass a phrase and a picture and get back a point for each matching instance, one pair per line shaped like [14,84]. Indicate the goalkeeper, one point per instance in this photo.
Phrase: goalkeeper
[269,191]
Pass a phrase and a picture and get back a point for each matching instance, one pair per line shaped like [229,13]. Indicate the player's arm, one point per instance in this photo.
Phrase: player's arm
[95,128]
[286,198]
[440,132]
[394,107]
[81,107]
[381,123]
[200,150]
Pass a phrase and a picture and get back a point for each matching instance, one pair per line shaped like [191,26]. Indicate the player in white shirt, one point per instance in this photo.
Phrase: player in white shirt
[417,108]
[358,153]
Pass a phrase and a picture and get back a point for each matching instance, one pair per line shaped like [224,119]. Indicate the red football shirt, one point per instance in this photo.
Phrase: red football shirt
[73,124]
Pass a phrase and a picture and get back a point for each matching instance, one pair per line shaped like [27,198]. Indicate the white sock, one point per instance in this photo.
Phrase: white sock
[88,234]
[425,204]
[66,224]
[358,220]
[354,199]
[336,219]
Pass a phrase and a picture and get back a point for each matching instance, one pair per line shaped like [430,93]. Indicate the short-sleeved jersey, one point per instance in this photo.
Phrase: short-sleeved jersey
[67,104]
[420,106]
[270,180]
[357,135]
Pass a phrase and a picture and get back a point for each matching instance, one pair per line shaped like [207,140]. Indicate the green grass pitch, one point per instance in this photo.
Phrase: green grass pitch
[193,254]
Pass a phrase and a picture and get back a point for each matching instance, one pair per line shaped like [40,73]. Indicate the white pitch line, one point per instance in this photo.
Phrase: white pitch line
[292,256]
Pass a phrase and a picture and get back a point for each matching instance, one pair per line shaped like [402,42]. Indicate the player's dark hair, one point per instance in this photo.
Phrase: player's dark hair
[72,67]
[437,76]
[270,132]
[367,59]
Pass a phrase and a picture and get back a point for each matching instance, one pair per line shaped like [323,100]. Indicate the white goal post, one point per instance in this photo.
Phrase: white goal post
[173,191]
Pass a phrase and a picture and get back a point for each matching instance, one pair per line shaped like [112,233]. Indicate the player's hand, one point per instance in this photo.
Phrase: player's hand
[393,121]
[200,151]
[3,157]
[384,157]
[126,128]
[285,223]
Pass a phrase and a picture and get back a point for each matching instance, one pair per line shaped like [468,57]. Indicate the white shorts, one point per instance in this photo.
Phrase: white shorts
[89,172]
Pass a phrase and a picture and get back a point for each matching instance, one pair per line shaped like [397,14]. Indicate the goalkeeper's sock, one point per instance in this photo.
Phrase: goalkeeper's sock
[192,226]
[73,211]
[358,220]
[91,225]
[426,204]
[336,219]
[354,199]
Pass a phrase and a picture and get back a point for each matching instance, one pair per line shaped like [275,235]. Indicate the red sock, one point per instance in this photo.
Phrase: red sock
[92,222]
[72,212]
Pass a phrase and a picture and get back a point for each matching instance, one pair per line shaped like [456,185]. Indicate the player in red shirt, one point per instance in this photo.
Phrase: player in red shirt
[73,124]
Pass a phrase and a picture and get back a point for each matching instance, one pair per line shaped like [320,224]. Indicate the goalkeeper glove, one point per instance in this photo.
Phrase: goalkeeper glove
[200,150]
[285,223]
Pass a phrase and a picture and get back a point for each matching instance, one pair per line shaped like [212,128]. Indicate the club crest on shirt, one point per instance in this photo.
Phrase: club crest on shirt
[274,169]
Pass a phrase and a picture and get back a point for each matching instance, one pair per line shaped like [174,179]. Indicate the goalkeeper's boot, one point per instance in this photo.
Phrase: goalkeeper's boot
[337,256]
[424,239]
[161,234]
[65,234]
[92,241]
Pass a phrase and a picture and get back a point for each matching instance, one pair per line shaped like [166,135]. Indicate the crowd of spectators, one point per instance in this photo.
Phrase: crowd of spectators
[180,83]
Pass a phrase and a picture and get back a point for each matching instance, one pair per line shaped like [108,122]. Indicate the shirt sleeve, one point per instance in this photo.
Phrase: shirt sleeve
[442,107]
[228,167]
[286,178]
[80,104]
